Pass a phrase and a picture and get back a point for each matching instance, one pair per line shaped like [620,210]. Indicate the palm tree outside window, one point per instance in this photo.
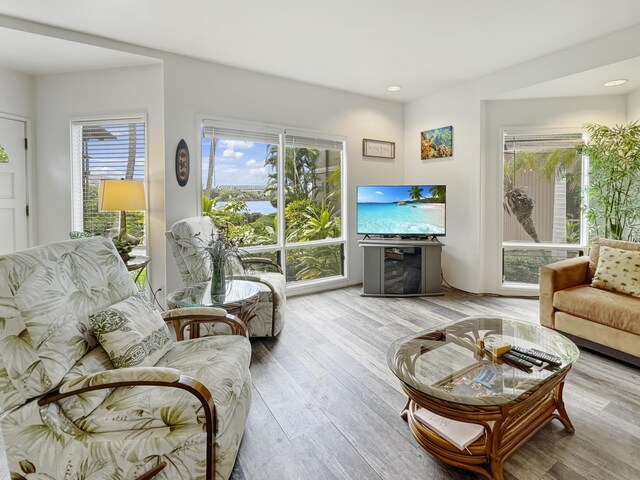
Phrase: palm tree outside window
[278,194]
[541,202]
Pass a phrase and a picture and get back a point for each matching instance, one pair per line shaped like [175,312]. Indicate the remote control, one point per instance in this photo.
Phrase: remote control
[517,362]
[526,358]
[540,355]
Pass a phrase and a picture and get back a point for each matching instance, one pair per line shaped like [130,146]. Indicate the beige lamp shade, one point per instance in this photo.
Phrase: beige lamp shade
[121,195]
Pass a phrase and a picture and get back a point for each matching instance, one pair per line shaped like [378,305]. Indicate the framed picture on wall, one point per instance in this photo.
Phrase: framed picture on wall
[182,163]
[436,143]
[378,148]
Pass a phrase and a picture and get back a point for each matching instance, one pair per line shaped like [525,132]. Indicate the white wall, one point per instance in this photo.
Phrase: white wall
[633,106]
[464,262]
[17,93]
[570,112]
[194,87]
[95,94]
[460,173]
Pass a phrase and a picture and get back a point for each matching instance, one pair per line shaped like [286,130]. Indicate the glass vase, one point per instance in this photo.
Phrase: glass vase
[218,286]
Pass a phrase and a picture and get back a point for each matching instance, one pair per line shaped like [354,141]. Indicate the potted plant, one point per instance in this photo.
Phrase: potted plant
[614,180]
[225,257]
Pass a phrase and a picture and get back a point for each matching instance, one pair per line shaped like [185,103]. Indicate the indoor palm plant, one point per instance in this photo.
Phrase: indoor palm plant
[614,180]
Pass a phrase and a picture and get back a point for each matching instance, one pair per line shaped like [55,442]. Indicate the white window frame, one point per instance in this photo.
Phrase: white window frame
[501,247]
[76,168]
[301,286]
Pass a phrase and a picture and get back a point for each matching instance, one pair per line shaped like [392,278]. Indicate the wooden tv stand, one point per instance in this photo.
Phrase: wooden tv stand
[395,267]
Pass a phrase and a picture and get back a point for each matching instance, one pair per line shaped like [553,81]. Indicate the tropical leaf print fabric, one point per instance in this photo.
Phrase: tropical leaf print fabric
[186,240]
[78,406]
[47,296]
[219,362]
[132,332]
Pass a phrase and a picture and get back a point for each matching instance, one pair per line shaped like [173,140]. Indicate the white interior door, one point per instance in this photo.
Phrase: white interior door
[13,186]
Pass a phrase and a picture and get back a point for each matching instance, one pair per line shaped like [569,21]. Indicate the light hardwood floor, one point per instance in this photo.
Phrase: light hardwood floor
[326,406]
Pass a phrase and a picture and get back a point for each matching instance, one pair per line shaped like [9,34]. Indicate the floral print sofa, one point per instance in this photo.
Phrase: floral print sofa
[69,311]
[186,239]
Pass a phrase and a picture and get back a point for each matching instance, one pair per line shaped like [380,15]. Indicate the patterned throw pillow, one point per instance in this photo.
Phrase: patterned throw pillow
[132,332]
[79,234]
[618,271]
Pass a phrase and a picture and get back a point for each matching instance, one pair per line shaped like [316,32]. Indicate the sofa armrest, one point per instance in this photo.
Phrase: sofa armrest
[275,300]
[146,376]
[131,374]
[261,261]
[559,276]
[181,318]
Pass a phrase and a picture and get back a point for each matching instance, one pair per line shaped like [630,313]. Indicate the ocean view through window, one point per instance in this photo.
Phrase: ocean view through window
[278,194]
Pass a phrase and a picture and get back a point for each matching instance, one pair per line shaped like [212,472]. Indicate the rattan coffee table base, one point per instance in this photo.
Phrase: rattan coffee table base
[507,427]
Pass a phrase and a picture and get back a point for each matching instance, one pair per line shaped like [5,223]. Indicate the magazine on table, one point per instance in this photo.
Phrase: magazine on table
[460,434]
[479,380]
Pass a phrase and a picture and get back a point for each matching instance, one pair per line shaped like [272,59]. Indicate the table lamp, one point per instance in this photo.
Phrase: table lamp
[122,195]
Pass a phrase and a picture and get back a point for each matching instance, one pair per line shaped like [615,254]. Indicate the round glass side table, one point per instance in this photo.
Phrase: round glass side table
[240,299]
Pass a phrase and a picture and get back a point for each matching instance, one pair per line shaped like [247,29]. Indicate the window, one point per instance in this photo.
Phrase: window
[313,207]
[543,178]
[280,194]
[108,149]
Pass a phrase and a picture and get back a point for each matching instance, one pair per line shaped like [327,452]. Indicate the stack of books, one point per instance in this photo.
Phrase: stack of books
[460,434]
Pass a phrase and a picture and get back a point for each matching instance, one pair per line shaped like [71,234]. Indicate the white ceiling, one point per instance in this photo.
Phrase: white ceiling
[354,45]
[39,55]
[586,83]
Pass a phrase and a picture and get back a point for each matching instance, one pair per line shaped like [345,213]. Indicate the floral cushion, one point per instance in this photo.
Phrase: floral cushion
[132,332]
[618,271]
[186,239]
[78,406]
[42,444]
[219,362]
[80,234]
[46,296]
[594,252]
[262,324]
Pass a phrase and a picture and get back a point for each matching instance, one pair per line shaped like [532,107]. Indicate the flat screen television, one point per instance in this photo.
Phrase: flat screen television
[402,210]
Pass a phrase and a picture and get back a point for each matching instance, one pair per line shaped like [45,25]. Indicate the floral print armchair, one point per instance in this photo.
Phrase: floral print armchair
[171,410]
[187,238]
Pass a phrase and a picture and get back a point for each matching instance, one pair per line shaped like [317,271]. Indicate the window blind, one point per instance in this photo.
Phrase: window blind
[312,142]
[555,141]
[257,136]
[105,150]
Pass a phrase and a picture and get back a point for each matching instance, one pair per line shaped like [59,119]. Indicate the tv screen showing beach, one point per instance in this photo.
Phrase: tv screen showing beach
[401,210]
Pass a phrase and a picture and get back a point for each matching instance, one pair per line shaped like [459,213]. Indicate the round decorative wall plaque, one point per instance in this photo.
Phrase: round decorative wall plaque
[182,163]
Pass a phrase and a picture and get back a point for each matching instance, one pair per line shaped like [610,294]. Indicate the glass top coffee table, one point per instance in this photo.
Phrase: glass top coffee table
[240,299]
[445,371]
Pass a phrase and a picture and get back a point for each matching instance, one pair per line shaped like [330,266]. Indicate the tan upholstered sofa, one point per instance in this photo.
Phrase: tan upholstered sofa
[599,319]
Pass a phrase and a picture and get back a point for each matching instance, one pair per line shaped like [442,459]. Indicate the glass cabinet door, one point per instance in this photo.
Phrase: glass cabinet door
[402,270]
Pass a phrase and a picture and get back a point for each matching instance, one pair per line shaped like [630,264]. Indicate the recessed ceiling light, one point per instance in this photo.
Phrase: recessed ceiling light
[615,83]
[394,88]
